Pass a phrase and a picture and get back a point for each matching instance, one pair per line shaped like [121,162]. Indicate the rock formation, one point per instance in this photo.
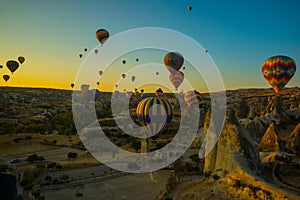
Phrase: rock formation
[235,150]
[293,141]
[270,140]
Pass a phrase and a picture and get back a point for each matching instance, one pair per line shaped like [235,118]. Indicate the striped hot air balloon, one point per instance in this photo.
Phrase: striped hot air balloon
[155,113]
[192,98]
[102,35]
[176,78]
[278,70]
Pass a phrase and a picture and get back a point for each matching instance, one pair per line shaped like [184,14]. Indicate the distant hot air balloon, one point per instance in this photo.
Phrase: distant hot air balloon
[133,78]
[157,73]
[1,66]
[159,92]
[123,75]
[102,35]
[142,90]
[12,65]
[21,59]
[173,61]
[183,68]
[85,49]
[192,98]
[137,60]
[176,78]
[189,8]
[278,70]
[6,77]
[80,55]
[98,83]
[96,51]
[129,94]
[100,72]
[116,85]
[206,51]
[124,62]
[72,85]
[155,113]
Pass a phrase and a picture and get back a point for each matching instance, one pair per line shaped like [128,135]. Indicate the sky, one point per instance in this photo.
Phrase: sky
[239,36]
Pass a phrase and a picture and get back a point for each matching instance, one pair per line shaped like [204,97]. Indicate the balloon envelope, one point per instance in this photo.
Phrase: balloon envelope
[12,65]
[155,113]
[176,78]
[192,98]
[173,60]
[133,78]
[100,72]
[72,85]
[278,70]
[6,77]
[102,35]
[21,59]
[123,75]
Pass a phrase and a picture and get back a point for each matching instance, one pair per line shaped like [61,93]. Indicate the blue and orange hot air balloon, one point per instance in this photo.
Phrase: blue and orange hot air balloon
[155,113]
[278,70]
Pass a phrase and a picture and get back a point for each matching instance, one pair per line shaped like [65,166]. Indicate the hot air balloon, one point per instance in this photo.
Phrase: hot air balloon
[98,83]
[206,51]
[124,62]
[72,85]
[21,59]
[278,70]
[123,75]
[192,98]
[116,85]
[102,35]
[129,94]
[133,78]
[85,49]
[142,90]
[183,68]
[155,113]
[100,72]
[6,77]
[157,73]
[173,61]
[159,92]
[144,95]
[189,8]
[80,55]
[1,66]
[12,65]
[176,78]
[96,51]
[137,60]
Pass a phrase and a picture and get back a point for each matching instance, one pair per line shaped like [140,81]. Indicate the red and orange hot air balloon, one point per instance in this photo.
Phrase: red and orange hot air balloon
[102,35]
[173,61]
[278,71]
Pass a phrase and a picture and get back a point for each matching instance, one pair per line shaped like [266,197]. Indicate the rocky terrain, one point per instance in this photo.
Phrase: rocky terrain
[256,156]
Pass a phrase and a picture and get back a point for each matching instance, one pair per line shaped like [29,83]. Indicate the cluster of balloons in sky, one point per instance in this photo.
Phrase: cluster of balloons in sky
[277,70]
[12,65]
